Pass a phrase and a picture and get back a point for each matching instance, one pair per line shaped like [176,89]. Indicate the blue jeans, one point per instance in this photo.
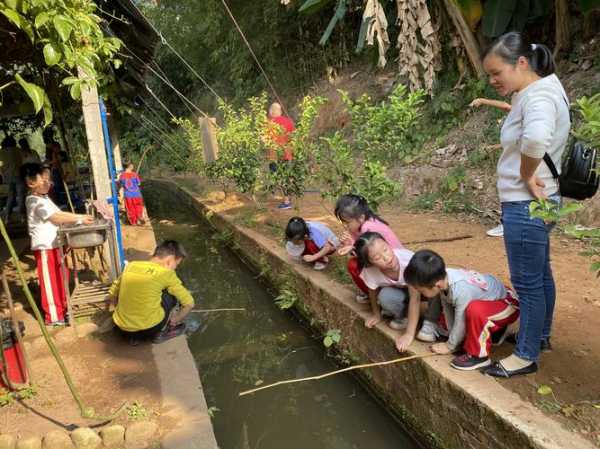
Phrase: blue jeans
[527,245]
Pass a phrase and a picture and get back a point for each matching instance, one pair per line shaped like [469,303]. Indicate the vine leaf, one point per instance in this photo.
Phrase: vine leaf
[63,27]
[51,55]
[36,93]
[41,19]
[19,21]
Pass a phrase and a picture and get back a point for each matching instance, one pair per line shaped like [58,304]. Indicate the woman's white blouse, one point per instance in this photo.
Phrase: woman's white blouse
[538,123]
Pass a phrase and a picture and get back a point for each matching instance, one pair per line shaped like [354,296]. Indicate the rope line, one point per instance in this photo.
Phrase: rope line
[167,78]
[168,44]
[159,101]
[254,55]
[161,131]
[166,81]
[160,141]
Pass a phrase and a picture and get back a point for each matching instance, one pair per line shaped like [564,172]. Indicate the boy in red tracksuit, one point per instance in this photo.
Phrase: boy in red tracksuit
[134,203]
[43,219]
[475,306]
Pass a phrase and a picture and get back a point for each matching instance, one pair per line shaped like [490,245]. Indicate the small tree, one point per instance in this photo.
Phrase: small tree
[341,173]
[385,131]
[241,146]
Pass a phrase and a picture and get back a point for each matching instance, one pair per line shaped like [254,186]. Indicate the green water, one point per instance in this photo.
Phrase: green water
[237,350]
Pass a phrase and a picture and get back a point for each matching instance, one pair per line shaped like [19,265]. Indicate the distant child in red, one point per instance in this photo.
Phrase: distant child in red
[134,203]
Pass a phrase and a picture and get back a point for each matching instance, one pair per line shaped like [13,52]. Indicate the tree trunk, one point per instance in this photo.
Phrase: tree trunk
[469,41]
[563,40]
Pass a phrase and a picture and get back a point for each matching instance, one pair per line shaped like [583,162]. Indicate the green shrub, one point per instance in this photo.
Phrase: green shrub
[385,131]
[340,173]
[241,146]
[589,128]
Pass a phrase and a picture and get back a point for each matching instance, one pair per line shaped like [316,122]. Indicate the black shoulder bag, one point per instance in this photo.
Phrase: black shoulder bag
[578,179]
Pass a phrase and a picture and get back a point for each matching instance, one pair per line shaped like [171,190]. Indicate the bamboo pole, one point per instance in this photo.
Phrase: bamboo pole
[218,310]
[343,370]
[86,412]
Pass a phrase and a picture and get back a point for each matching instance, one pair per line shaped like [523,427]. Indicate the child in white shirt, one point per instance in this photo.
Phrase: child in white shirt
[43,219]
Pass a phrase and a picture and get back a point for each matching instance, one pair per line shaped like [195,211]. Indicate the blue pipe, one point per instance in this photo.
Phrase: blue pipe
[113,177]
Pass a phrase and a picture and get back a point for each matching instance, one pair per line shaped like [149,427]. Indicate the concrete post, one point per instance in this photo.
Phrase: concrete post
[95,138]
[208,128]
[114,138]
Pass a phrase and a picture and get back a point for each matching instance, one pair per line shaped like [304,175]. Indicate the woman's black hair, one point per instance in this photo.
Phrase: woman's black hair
[362,245]
[353,206]
[511,46]
[425,268]
[296,228]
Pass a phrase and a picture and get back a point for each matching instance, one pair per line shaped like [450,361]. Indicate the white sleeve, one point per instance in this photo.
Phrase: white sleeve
[539,124]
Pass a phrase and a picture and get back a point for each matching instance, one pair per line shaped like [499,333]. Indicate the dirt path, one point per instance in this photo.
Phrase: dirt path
[571,369]
[105,369]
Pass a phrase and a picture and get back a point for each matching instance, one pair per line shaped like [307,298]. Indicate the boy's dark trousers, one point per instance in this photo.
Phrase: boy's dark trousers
[168,302]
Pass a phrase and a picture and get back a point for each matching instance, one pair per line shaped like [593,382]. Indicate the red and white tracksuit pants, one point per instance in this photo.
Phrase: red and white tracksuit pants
[135,209]
[54,297]
[484,318]
[310,248]
[355,271]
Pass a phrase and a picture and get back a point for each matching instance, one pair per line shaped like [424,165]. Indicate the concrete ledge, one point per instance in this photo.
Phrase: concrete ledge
[182,395]
[452,409]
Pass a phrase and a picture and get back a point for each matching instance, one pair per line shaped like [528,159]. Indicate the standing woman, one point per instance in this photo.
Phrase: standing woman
[538,123]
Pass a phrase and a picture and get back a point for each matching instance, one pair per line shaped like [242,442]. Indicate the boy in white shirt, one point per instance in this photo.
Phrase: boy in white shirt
[43,219]
[475,306]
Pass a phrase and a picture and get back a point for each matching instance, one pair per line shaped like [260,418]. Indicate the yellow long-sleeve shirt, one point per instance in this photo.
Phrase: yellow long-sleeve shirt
[139,290]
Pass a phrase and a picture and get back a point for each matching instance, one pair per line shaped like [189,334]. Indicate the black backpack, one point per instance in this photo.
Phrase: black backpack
[578,178]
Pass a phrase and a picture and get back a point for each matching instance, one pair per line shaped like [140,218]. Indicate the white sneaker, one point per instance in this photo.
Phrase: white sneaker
[428,332]
[362,298]
[399,324]
[319,266]
[498,231]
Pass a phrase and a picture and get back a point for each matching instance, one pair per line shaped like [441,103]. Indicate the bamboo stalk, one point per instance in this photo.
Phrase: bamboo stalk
[218,310]
[86,412]
[343,370]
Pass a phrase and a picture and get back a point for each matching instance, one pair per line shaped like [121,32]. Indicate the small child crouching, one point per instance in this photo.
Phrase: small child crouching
[475,306]
[382,270]
[310,240]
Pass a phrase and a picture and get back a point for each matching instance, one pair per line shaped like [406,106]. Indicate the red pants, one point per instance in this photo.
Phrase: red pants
[54,297]
[484,318]
[311,248]
[135,209]
[354,271]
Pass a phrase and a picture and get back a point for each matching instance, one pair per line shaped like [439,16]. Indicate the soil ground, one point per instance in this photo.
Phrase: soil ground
[105,369]
[571,369]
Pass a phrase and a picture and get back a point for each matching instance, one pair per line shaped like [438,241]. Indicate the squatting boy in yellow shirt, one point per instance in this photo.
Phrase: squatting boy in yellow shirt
[147,293]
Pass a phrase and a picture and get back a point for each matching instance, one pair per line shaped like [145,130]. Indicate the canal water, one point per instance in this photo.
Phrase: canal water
[236,351]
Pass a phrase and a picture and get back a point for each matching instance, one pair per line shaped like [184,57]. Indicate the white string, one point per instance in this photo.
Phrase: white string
[166,42]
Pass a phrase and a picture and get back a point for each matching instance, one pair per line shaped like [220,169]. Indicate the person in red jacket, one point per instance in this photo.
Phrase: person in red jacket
[280,150]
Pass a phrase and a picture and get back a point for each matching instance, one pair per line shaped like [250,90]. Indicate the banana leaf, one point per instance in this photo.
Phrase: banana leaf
[340,12]
[471,11]
[520,16]
[313,6]
[497,15]
[540,8]
[588,5]
[362,35]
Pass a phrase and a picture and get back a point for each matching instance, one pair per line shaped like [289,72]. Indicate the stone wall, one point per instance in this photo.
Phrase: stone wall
[138,435]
